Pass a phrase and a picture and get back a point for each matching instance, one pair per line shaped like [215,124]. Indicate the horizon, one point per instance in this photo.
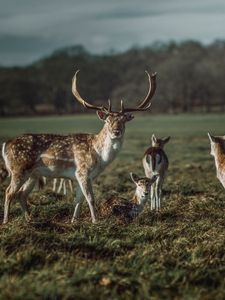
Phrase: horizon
[31,31]
[78,49]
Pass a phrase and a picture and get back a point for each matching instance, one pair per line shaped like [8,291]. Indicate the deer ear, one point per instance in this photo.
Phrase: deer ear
[153,138]
[102,115]
[166,140]
[212,138]
[128,117]
[134,177]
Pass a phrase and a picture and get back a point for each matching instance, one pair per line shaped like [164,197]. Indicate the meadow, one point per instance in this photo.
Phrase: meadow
[175,254]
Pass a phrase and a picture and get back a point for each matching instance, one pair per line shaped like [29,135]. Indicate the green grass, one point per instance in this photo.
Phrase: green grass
[177,254]
[178,125]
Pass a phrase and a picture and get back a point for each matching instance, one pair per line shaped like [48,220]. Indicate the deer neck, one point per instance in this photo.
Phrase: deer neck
[157,147]
[140,206]
[106,147]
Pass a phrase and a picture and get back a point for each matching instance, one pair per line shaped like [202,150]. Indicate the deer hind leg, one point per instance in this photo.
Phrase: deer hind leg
[161,189]
[156,196]
[16,182]
[70,185]
[86,188]
[64,186]
[159,183]
[148,173]
[78,203]
[23,194]
[54,185]
[153,196]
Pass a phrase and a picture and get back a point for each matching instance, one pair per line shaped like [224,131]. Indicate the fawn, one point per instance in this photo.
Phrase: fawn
[127,209]
[218,151]
[155,161]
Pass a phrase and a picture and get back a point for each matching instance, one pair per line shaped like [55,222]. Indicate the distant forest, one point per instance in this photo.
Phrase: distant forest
[191,78]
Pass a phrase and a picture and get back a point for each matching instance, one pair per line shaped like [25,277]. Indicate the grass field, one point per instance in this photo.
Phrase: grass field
[177,254]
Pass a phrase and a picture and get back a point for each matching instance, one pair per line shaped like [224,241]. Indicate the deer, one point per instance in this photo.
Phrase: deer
[62,185]
[218,151]
[58,185]
[80,156]
[155,161]
[130,209]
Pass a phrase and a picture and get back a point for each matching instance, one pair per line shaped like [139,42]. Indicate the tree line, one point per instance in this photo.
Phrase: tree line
[190,79]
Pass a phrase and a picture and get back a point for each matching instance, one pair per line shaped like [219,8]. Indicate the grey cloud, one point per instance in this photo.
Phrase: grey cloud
[30,29]
[23,50]
[161,7]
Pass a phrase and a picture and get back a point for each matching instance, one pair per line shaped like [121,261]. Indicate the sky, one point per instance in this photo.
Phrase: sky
[31,29]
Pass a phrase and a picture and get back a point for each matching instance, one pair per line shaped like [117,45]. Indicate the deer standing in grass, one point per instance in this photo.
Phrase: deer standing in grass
[76,156]
[155,161]
[129,209]
[56,188]
[218,151]
[62,185]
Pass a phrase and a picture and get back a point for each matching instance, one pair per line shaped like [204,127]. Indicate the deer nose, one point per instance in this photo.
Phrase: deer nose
[116,131]
[146,193]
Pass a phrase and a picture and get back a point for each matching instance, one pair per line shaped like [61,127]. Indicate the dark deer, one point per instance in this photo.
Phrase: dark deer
[155,161]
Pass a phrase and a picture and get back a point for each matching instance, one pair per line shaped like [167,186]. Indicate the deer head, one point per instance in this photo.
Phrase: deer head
[115,120]
[156,142]
[217,142]
[143,186]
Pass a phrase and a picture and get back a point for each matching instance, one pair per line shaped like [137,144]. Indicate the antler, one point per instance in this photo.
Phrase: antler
[84,102]
[145,104]
[151,90]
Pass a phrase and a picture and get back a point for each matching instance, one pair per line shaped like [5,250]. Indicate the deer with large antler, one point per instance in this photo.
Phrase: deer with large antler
[77,156]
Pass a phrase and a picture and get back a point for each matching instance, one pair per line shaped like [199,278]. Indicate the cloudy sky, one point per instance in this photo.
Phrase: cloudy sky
[30,29]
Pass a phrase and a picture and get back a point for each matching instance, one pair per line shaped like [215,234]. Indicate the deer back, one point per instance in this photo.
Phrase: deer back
[155,160]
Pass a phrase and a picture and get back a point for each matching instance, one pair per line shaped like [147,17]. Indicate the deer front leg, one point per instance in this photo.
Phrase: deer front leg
[78,203]
[86,188]
[11,192]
